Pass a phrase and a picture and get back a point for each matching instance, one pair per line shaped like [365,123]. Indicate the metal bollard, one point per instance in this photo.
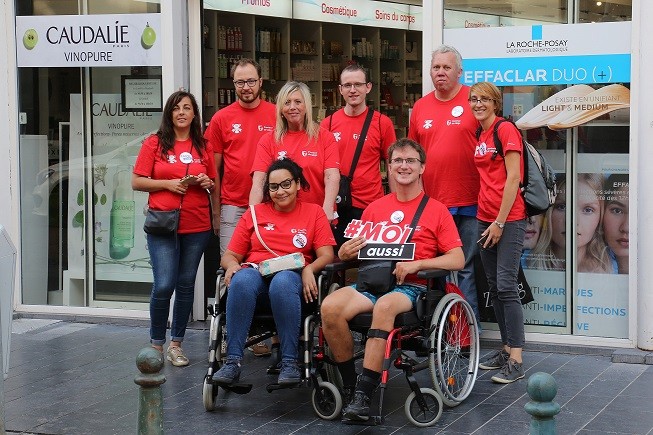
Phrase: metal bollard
[542,389]
[150,401]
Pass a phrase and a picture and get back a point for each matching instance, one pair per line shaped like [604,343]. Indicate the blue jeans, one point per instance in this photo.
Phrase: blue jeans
[174,265]
[501,264]
[468,231]
[282,293]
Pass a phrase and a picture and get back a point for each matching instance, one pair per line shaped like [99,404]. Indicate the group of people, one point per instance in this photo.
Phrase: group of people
[602,208]
[272,175]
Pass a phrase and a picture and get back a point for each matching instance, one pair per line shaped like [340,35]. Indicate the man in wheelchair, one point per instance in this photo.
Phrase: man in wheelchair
[437,246]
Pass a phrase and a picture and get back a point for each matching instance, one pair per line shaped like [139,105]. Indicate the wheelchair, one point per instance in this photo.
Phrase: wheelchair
[263,327]
[442,327]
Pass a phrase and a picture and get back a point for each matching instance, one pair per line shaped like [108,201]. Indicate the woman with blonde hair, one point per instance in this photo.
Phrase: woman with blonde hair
[300,138]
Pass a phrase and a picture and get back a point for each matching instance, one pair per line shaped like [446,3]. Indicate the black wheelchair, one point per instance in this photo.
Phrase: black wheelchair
[325,394]
[442,327]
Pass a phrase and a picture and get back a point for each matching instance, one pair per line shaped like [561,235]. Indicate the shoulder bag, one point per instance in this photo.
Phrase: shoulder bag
[294,261]
[375,276]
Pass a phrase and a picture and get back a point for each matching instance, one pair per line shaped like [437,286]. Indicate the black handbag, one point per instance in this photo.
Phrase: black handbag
[161,222]
[375,276]
[343,199]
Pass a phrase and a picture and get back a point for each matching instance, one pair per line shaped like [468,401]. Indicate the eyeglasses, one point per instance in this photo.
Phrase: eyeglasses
[285,185]
[409,161]
[483,100]
[349,86]
[250,82]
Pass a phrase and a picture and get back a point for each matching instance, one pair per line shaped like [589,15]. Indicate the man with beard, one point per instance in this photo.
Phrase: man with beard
[233,133]
[443,123]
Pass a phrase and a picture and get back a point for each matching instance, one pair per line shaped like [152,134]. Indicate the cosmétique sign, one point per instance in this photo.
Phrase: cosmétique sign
[89,40]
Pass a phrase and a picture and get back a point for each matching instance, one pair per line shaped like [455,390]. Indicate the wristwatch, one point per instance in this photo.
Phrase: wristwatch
[499,224]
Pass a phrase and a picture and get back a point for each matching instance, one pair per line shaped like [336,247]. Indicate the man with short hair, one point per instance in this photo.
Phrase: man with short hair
[234,132]
[437,246]
[346,125]
[443,123]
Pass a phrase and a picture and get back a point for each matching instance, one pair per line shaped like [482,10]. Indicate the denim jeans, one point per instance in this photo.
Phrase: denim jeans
[468,231]
[174,265]
[501,264]
[282,294]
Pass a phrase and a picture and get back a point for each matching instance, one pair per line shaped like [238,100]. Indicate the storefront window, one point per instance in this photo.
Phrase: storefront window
[77,148]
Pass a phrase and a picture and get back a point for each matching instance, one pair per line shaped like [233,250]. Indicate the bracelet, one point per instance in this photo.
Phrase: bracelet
[499,224]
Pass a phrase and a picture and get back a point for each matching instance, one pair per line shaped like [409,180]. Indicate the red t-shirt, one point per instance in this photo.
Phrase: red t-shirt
[314,156]
[493,172]
[305,229]
[436,231]
[195,214]
[366,185]
[447,131]
[234,132]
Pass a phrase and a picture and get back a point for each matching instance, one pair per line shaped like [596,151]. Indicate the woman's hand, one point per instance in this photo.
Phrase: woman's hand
[309,284]
[176,186]
[490,237]
[205,182]
[230,273]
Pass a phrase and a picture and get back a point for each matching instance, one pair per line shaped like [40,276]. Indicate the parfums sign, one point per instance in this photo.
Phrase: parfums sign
[88,40]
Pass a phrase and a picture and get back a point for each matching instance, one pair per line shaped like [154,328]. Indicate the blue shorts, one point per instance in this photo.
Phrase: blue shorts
[411,291]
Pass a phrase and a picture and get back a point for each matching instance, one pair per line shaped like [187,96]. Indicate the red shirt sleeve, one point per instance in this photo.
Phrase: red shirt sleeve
[146,156]
[264,154]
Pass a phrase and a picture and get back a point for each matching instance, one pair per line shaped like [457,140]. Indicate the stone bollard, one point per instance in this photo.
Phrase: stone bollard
[542,389]
[150,401]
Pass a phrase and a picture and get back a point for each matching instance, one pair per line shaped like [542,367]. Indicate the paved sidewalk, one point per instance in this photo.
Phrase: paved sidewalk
[78,378]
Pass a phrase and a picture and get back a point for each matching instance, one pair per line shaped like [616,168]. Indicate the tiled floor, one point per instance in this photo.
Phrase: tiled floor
[76,378]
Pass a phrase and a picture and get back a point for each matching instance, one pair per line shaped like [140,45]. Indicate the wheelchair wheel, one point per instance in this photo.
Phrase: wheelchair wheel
[427,416]
[327,401]
[209,393]
[454,340]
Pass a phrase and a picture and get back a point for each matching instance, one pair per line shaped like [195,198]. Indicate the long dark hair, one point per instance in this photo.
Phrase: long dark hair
[296,172]
[166,132]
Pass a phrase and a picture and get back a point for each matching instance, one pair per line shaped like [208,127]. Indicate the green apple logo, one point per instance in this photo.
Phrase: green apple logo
[148,37]
[30,39]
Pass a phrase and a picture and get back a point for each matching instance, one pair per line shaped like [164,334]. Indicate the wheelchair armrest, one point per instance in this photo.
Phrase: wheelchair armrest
[338,266]
[432,273]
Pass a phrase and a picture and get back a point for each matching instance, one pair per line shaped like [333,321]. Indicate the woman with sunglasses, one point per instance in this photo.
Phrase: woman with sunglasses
[286,225]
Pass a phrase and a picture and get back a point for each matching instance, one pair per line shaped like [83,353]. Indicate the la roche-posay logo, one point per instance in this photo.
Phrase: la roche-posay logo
[537,43]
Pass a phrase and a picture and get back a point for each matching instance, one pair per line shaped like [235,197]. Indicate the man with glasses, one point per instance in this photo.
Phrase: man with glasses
[442,122]
[234,132]
[346,125]
[437,246]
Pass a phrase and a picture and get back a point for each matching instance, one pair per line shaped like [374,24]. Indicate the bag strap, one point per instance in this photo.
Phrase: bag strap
[361,141]
[418,214]
[499,150]
[187,167]
[251,207]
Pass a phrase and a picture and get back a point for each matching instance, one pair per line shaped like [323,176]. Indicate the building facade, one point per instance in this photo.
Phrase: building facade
[86,82]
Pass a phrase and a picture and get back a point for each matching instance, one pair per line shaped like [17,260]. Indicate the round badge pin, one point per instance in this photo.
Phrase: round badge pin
[397,217]
[457,111]
[185,157]
[299,241]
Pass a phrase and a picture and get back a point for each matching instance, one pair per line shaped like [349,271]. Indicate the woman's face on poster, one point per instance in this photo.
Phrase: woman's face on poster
[533,229]
[588,209]
[558,222]
[615,223]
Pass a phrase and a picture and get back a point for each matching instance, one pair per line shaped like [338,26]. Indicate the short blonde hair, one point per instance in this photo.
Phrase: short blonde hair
[487,89]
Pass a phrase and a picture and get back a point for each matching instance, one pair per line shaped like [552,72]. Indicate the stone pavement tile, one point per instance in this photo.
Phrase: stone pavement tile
[615,421]
[586,405]
[476,418]
[568,422]
[598,432]
[503,426]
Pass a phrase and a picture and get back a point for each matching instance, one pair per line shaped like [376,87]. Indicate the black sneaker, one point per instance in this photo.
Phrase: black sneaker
[509,373]
[347,394]
[495,360]
[229,372]
[290,373]
[358,409]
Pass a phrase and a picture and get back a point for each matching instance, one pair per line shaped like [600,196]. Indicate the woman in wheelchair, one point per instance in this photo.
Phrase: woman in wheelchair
[437,246]
[286,225]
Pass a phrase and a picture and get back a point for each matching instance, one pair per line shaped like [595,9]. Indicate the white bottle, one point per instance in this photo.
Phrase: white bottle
[121,226]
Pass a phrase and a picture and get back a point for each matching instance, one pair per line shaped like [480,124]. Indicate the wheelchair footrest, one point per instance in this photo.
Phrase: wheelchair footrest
[272,387]
[236,387]
[374,420]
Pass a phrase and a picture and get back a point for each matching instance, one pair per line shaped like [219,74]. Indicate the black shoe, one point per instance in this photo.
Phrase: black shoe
[358,409]
[347,394]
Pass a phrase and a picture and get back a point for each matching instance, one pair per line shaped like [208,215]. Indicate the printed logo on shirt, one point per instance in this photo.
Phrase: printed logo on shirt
[282,155]
[336,136]
[265,128]
[481,149]
[428,123]
[453,122]
[299,240]
[236,128]
[269,226]
[309,153]
[172,158]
